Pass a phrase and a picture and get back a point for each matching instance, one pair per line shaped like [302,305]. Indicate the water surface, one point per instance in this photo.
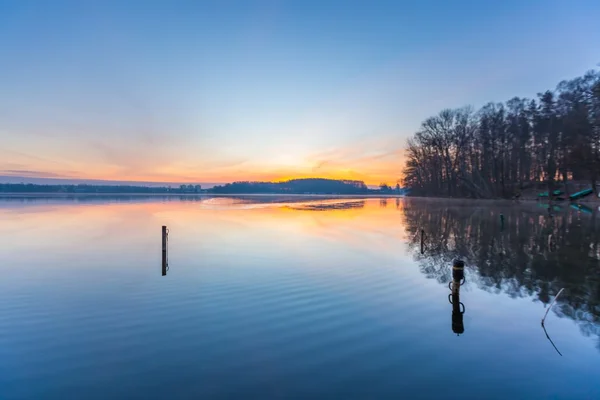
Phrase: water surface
[295,298]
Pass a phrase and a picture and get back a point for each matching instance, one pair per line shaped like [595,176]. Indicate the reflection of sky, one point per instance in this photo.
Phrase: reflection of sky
[214,219]
[200,92]
[317,291]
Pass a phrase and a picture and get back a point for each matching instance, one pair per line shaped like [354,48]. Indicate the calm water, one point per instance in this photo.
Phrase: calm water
[284,298]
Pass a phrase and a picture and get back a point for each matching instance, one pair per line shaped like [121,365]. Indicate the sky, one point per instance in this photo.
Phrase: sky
[219,91]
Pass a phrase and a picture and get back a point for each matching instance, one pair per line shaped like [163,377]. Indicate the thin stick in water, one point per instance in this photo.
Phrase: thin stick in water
[551,304]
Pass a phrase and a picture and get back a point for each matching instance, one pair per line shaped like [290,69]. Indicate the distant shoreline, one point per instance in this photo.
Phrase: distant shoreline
[59,195]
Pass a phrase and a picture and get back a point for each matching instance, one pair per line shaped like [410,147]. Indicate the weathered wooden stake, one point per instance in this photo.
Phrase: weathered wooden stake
[458,271]
[164,250]
[422,241]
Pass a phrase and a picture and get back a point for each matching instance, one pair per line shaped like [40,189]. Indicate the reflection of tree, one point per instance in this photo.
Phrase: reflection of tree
[531,255]
[101,198]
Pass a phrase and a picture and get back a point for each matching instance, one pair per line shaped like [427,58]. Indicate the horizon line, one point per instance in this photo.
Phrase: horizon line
[11,179]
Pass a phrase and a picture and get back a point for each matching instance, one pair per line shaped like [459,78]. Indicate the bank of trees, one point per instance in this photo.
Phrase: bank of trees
[506,147]
[294,186]
[83,188]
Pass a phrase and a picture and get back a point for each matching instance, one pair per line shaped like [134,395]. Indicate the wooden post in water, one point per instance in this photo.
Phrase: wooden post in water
[422,241]
[458,271]
[501,221]
[164,250]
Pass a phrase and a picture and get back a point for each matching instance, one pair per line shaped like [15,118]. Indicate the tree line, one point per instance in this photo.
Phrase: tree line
[506,147]
[84,188]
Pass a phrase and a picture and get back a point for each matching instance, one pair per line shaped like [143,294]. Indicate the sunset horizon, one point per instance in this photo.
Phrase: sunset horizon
[261,91]
[38,180]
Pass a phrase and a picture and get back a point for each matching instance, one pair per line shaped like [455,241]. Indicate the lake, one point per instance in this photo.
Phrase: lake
[275,297]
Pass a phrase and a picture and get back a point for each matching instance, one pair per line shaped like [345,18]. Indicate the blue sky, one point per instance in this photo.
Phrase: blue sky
[213,91]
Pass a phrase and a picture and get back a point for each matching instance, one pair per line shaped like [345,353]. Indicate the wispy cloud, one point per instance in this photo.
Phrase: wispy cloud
[373,161]
[19,155]
[32,174]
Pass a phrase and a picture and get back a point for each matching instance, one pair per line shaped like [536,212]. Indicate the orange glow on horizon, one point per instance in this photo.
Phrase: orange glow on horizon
[372,162]
[368,179]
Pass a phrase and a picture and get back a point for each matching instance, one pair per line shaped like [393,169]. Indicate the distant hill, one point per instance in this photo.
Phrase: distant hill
[294,186]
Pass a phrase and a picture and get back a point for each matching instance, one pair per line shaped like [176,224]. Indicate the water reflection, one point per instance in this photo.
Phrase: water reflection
[99,198]
[320,206]
[165,249]
[458,308]
[534,255]
[297,202]
[550,339]
[318,303]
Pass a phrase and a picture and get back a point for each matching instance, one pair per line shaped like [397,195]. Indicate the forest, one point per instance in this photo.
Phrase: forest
[552,140]
[83,188]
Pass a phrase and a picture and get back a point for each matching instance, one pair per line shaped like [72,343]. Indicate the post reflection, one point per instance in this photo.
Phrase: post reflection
[458,308]
[165,244]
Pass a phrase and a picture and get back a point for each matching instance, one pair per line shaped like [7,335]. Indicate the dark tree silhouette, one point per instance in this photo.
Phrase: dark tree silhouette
[82,188]
[505,148]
